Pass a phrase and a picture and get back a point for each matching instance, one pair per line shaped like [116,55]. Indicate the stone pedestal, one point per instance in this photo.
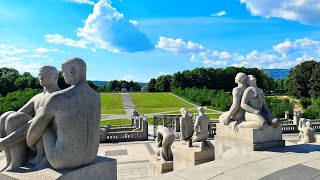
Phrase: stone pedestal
[102,168]
[184,156]
[228,142]
[157,167]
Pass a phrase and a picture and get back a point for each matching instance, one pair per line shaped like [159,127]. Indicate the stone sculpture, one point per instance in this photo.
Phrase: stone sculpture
[235,113]
[15,146]
[135,112]
[164,140]
[307,133]
[257,112]
[202,126]
[186,127]
[68,122]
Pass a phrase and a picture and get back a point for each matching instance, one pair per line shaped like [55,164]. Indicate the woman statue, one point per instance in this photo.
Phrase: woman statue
[235,113]
[257,112]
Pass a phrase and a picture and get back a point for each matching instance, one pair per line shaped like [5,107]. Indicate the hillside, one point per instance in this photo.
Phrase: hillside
[277,73]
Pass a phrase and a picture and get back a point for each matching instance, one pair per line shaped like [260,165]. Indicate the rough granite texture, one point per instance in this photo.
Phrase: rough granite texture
[184,156]
[101,168]
[157,167]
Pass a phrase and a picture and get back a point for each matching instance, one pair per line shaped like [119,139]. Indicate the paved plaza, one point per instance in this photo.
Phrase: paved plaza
[293,162]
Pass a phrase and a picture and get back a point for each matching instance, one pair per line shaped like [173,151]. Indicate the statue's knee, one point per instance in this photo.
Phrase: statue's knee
[16,120]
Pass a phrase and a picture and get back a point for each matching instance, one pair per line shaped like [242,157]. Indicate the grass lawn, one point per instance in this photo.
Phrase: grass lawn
[115,122]
[150,121]
[157,102]
[111,103]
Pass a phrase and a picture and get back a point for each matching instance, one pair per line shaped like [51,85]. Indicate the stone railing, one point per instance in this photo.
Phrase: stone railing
[138,132]
[287,122]
[290,128]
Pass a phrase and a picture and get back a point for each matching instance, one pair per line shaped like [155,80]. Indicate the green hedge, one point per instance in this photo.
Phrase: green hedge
[278,106]
[219,100]
[15,100]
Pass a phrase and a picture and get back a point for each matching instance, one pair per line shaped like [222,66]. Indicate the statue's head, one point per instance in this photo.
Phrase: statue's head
[183,111]
[48,76]
[251,80]
[308,124]
[241,78]
[200,110]
[74,70]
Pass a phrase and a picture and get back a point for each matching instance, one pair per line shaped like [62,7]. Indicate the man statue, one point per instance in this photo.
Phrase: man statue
[235,113]
[165,139]
[69,121]
[307,134]
[186,127]
[202,125]
[257,112]
[16,149]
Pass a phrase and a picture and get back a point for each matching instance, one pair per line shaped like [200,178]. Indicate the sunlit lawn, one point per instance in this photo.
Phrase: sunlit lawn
[115,122]
[111,103]
[157,102]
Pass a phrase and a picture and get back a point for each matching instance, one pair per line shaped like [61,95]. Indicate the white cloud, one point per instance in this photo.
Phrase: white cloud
[10,49]
[44,50]
[221,13]
[128,78]
[304,11]
[179,46]
[299,45]
[163,73]
[82,1]
[59,39]
[225,55]
[214,63]
[106,28]
[135,23]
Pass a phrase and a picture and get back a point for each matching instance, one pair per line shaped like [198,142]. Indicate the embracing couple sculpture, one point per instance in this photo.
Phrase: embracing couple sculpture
[59,127]
[248,109]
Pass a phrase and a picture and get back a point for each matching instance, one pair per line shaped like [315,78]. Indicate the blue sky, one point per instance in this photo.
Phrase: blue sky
[143,39]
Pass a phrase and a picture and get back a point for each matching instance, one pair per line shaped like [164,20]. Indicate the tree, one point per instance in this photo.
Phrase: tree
[299,79]
[314,83]
[26,74]
[92,85]
[152,85]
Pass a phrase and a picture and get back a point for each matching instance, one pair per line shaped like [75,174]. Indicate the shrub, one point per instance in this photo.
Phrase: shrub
[279,106]
[305,102]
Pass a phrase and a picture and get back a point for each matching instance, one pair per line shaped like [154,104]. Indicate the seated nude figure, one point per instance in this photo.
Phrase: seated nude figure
[16,149]
[164,140]
[202,126]
[307,134]
[69,121]
[186,127]
[257,112]
[235,113]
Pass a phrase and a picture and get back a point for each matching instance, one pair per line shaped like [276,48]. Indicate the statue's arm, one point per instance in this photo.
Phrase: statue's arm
[181,128]
[28,108]
[196,125]
[245,100]
[265,107]
[236,100]
[40,123]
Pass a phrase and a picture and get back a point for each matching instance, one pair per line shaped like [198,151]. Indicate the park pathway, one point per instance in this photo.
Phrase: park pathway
[127,103]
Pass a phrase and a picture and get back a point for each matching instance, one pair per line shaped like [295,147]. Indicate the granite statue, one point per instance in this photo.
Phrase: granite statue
[307,133]
[257,112]
[202,126]
[69,121]
[164,140]
[186,127]
[14,145]
[235,113]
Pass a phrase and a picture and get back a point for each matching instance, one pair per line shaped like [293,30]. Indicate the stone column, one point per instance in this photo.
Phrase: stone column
[296,118]
[286,115]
